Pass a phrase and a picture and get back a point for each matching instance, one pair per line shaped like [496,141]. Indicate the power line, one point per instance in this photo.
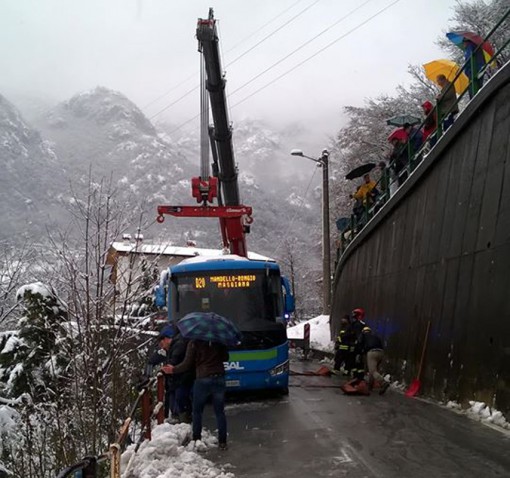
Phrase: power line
[273,32]
[263,26]
[317,53]
[357,27]
[169,91]
[233,48]
[295,214]
[301,46]
[174,102]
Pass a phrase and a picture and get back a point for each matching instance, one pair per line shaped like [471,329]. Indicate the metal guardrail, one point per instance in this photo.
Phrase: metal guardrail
[359,220]
[88,466]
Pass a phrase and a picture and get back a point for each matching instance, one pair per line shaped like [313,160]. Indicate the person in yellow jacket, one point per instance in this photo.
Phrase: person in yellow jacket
[364,192]
[364,196]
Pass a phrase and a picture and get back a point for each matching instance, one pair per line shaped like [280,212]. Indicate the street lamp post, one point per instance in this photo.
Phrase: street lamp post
[323,162]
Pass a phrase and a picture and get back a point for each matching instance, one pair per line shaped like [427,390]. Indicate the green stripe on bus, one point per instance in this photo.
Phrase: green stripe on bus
[262,355]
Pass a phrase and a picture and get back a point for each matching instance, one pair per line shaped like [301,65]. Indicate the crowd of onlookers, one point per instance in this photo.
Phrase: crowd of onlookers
[411,143]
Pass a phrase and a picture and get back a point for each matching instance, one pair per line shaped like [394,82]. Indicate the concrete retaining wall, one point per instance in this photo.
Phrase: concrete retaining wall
[439,251]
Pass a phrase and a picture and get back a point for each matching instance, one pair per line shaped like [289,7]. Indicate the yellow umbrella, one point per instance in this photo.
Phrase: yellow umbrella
[449,69]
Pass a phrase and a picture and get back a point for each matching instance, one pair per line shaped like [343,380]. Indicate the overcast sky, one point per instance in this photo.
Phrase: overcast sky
[146,48]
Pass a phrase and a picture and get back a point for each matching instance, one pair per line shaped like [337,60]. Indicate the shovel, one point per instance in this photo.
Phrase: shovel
[415,386]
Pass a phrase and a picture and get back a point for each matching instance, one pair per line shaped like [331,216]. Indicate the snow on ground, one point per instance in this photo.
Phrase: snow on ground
[165,457]
[319,333]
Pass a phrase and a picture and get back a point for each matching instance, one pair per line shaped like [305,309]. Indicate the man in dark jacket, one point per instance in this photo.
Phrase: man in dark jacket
[399,159]
[182,383]
[161,356]
[207,359]
[447,106]
[371,346]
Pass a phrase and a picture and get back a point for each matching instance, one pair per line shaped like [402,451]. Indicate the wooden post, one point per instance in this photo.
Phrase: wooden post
[146,413]
[160,395]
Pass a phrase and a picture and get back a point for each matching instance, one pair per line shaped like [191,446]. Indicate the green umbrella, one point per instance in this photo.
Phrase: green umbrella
[401,120]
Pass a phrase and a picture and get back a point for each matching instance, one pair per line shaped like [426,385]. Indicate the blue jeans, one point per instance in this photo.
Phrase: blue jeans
[203,389]
[183,399]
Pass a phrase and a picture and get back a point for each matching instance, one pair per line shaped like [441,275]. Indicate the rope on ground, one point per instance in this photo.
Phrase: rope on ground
[321,372]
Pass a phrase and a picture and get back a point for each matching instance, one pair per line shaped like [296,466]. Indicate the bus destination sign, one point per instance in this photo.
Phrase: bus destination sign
[226,282]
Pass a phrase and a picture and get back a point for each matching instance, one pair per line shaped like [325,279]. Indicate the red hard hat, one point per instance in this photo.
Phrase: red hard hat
[359,311]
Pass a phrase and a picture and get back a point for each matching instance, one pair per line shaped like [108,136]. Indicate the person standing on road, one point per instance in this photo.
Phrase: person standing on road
[355,329]
[371,346]
[343,345]
[207,358]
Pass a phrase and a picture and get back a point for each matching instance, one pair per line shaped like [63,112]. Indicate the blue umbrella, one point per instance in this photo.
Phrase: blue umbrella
[209,327]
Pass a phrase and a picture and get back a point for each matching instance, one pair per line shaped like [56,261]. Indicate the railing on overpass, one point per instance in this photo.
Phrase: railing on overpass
[371,205]
[88,467]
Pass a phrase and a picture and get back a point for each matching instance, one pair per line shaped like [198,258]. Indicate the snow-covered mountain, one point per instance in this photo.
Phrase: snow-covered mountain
[102,133]
[29,166]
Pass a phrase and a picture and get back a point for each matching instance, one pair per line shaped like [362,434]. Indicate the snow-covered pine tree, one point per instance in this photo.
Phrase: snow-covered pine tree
[29,359]
[32,381]
[85,354]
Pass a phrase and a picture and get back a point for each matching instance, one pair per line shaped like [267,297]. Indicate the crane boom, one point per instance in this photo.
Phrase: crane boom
[234,217]
[221,133]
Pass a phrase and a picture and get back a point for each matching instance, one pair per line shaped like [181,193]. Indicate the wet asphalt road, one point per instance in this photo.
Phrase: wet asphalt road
[317,431]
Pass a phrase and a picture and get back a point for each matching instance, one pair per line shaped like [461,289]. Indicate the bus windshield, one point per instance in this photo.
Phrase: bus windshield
[251,299]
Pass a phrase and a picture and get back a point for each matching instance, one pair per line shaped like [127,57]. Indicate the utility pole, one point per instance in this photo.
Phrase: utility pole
[323,162]
[326,248]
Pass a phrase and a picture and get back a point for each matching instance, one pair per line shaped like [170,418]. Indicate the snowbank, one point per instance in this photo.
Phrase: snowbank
[165,457]
[319,333]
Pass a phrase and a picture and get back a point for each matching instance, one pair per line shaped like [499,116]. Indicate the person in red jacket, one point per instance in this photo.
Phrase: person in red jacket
[430,124]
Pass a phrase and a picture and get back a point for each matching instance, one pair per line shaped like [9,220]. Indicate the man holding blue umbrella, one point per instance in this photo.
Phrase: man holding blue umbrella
[207,351]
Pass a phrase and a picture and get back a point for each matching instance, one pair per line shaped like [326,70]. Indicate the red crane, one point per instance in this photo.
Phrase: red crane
[235,218]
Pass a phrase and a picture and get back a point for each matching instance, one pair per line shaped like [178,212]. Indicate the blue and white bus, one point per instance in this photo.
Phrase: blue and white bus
[253,295]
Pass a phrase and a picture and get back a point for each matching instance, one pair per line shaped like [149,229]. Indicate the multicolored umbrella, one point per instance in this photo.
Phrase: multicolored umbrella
[401,120]
[459,37]
[449,69]
[209,327]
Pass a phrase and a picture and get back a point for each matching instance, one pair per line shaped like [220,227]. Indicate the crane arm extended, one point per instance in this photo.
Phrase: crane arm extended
[221,133]
[234,217]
